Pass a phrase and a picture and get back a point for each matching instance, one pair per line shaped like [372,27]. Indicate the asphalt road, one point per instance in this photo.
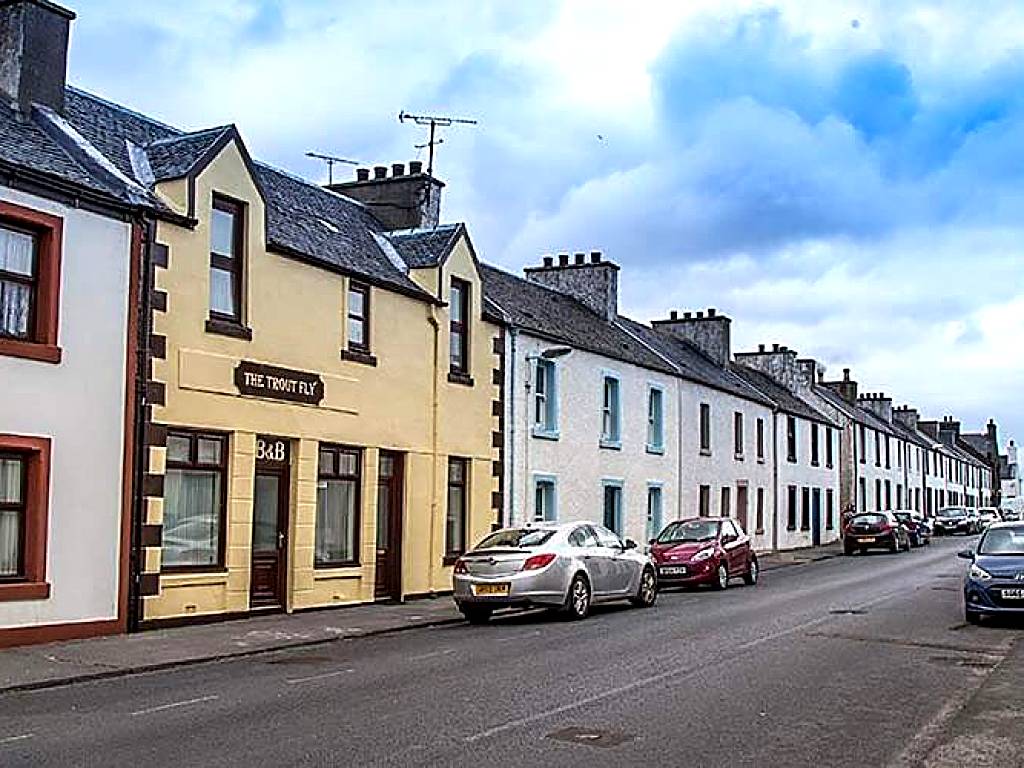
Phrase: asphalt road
[847,662]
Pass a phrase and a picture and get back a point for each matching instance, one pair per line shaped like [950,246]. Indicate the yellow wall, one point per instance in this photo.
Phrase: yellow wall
[405,403]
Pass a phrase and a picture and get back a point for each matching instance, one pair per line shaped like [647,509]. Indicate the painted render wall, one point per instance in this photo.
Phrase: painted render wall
[803,474]
[79,405]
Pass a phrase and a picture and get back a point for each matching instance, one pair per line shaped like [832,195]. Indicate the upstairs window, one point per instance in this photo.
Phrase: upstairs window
[791,439]
[226,260]
[828,447]
[610,414]
[887,442]
[863,444]
[760,439]
[358,312]
[815,460]
[459,327]
[737,434]
[545,399]
[655,420]
[878,449]
[19,283]
[705,428]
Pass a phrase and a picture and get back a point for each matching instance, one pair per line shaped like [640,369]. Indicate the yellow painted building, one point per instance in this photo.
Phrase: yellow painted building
[321,390]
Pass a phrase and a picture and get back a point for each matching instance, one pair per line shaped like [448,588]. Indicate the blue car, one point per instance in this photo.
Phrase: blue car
[994,584]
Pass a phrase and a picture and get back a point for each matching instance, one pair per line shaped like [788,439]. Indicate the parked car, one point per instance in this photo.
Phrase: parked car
[1009,514]
[994,584]
[917,527]
[875,530]
[953,520]
[989,515]
[566,566]
[704,550]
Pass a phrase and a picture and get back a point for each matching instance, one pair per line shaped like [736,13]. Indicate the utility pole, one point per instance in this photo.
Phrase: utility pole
[331,160]
[433,122]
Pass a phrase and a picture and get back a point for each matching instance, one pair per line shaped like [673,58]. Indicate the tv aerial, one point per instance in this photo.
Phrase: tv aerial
[433,122]
[331,160]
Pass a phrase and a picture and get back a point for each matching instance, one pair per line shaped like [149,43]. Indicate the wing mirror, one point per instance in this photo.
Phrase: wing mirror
[729,538]
[630,544]
[966,554]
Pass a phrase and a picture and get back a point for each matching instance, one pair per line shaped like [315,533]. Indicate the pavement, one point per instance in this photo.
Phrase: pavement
[54,664]
[845,662]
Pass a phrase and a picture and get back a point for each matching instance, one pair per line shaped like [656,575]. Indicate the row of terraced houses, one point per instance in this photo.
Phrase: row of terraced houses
[228,390]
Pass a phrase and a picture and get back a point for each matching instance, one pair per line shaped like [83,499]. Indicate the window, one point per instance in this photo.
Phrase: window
[455,534]
[704,508]
[613,506]
[358,312]
[545,399]
[828,447]
[583,537]
[878,494]
[888,440]
[737,434]
[791,510]
[705,428]
[899,496]
[726,501]
[888,494]
[863,495]
[195,490]
[899,453]
[863,444]
[459,341]
[654,511]
[655,420]
[338,507]
[24,501]
[760,511]
[805,509]
[544,501]
[830,520]
[226,260]
[610,413]
[742,504]
[791,439]
[878,449]
[760,439]
[30,256]
[815,459]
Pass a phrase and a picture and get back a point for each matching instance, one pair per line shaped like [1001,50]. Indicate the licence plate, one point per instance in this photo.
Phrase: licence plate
[1013,594]
[490,589]
[867,539]
[674,570]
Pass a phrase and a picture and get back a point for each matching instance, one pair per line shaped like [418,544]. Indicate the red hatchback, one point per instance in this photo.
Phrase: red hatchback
[703,550]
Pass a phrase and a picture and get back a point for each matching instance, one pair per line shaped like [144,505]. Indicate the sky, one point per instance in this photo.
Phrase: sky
[844,178]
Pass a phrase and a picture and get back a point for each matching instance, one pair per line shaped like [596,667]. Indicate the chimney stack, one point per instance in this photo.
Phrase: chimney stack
[907,416]
[780,364]
[400,201]
[595,284]
[710,334]
[878,404]
[34,52]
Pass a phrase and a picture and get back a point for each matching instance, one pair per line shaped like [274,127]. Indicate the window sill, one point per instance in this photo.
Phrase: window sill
[760,459]
[355,356]
[228,328]
[611,445]
[791,461]
[705,451]
[451,559]
[545,434]
[815,463]
[346,569]
[24,590]
[738,457]
[30,350]
[790,528]
[656,450]
[457,377]
[759,532]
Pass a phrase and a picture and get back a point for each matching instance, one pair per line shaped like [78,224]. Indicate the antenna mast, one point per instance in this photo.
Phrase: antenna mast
[433,121]
[331,160]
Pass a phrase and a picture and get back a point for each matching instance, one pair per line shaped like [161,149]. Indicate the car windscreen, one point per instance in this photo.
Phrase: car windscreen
[516,537]
[689,530]
[902,516]
[869,519]
[1003,541]
[952,513]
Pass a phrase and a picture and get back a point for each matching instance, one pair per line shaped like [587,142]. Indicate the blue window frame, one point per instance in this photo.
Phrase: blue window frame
[655,419]
[545,498]
[611,412]
[655,504]
[612,519]
[545,400]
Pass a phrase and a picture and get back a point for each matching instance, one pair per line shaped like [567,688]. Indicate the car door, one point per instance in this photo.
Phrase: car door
[619,567]
[735,548]
[583,542]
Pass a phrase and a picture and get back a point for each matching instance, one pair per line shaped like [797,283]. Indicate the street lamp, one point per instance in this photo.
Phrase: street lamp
[551,353]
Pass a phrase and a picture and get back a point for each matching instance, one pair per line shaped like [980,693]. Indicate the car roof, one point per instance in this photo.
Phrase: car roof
[700,517]
[1006,524]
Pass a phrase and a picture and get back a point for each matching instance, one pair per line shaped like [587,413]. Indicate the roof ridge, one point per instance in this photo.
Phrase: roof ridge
[413,231]
[122,108]
[532,284]
[184,136]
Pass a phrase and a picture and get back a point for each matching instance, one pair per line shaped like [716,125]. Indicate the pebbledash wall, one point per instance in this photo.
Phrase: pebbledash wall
[403,403]
[71,407]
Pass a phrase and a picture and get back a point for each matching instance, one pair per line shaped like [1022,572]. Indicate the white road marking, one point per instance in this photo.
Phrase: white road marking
[175,705]
[432,654]
[324,676]
[12,739]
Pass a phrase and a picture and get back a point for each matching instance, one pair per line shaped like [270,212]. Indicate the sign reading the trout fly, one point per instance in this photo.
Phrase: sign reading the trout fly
[259,380]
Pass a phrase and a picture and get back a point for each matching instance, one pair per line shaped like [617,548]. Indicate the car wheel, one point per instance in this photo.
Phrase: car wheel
[577,601]
[848,549]
[753,571]
[722,577]
[895,546]
[476,614]
[647,592]
[972,617]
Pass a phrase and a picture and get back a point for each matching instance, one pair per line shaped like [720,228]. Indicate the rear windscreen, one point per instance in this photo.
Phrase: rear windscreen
[516,537]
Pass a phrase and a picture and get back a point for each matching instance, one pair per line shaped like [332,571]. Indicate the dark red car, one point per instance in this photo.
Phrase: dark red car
[703,550]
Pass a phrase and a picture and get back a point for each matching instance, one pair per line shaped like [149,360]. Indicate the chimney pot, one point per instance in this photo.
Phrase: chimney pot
[775,347]
[673,315]
[398,169]
[711,311]
[595,257]
[760,347]
[549,261]
[415,166]
[362,174]
[563,259]
[846,374]
[686,315]
[380,171]
[580,258]
[700,315]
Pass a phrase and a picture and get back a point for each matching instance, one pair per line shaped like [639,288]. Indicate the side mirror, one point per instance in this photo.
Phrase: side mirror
[652,542]
[630,544]
[729,538]
[966,554]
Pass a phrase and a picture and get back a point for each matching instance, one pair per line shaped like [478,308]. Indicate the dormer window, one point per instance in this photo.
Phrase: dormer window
[226,260]
[358,317]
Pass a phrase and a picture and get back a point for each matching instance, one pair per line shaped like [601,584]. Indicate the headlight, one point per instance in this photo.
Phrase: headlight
[704,554]
[980,574]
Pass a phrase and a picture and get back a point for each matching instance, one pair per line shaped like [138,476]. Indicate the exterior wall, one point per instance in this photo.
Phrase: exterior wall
[873,469]
[79,404]
[404,403]
[914,477]
[804,475]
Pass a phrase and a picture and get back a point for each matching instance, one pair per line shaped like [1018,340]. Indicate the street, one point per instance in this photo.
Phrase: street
[853,661]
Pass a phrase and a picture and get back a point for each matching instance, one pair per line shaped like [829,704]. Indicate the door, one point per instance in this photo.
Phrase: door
[736,546]
[389,527]
[742,502]
[816,516]
[270,524]
[617,569]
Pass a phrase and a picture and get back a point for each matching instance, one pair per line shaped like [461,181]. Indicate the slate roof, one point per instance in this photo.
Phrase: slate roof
[912,435]
[425,247]
[977,442]
[560,318]
[786,401]
[176,156]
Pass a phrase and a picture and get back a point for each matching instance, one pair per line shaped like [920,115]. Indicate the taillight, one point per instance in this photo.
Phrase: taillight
[536,562]
[460,566]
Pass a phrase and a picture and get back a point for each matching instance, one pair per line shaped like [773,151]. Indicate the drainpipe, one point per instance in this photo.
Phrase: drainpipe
[775,481]
[434,415]
[679,449]
[510,390]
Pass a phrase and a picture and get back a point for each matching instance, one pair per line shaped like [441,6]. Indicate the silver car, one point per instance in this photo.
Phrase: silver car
[564,566]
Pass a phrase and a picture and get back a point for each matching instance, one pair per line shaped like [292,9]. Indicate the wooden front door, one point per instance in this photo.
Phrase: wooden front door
[270,523]
[742,504]
[389,527]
